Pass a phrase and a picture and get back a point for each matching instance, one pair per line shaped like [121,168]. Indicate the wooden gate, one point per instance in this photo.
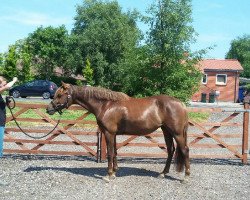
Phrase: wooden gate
[205,140]
[78,132]
[78,136]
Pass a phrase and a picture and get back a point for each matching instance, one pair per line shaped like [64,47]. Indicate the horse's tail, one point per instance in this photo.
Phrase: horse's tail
[180,154]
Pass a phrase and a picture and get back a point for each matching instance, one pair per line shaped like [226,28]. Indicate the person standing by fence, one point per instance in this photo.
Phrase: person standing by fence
[3,86]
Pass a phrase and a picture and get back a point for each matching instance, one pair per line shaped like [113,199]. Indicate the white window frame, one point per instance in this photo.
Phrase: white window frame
[202,79]
[220,83]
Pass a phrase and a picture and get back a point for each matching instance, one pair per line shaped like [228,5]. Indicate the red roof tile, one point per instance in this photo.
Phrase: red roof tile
[216,64]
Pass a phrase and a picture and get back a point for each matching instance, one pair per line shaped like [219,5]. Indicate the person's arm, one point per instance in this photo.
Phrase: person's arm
[3,88]
[11,83]
[8,85]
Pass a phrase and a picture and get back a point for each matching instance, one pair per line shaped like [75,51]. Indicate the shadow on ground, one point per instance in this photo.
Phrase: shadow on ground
[100,172]
[204,161]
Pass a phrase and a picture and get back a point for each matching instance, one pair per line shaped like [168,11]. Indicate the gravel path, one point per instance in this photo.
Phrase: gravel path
[55,177]
[33,177]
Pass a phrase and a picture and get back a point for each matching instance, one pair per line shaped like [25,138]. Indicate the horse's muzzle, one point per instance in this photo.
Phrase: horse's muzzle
[50,111]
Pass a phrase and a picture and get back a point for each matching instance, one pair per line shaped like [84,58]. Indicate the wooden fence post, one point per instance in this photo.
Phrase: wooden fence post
[98,153]
[245,133]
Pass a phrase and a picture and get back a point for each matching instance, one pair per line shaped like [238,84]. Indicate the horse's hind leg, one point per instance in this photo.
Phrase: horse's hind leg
[182,155]
[170,148]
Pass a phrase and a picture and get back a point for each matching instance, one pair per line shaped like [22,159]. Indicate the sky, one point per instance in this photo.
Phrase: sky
[216,22]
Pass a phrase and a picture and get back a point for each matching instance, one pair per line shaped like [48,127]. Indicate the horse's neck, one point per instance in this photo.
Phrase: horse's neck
[92,104]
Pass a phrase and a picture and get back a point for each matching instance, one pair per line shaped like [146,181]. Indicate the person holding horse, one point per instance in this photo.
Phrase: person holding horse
[3,87]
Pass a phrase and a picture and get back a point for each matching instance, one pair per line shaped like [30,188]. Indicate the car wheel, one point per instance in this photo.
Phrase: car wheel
[46,95]
[16,94]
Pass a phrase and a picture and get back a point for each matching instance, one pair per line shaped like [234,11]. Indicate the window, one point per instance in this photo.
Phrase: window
[30,84]
[204,79]
[36,83]
[221,79]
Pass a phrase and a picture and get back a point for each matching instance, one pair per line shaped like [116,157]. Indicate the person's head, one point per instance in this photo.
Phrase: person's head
[2,81]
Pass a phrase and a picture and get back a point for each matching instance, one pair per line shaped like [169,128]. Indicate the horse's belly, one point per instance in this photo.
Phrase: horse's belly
[140,127]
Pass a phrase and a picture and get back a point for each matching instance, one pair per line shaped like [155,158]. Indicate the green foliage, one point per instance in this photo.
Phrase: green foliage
[1,63]
[162,66]
[58,80]
[104,34]
[247,87]
[240,50]
[25,73]
[9,69]
[88,73]
[17,62]
[74,59]
[48,49]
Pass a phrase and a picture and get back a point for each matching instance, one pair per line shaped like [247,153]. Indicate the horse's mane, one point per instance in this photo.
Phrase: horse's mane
[103,94]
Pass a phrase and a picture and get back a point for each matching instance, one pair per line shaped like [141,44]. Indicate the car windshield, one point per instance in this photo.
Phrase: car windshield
[29,84]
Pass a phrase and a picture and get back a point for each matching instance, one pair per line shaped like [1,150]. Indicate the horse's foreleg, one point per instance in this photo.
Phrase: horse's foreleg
[110,150]
[115,166]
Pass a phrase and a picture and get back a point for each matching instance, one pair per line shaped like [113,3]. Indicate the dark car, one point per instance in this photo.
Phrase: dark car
[43,88]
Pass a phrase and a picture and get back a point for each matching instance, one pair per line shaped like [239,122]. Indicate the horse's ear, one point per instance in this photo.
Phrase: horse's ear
[65,85]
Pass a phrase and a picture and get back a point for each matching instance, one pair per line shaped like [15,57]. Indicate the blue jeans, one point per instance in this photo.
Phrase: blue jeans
[1,140]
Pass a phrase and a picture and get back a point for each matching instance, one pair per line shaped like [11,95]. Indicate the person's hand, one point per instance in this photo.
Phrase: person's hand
[15,79]
[11,83]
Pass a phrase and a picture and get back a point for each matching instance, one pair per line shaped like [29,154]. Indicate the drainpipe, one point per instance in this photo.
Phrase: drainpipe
[235,86]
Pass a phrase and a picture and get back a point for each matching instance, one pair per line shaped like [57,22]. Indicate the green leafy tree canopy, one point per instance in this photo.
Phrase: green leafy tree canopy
[48,48]
[105,33]
[240,50]
[171,66]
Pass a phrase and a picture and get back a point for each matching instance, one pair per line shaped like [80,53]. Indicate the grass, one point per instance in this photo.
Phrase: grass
[67,115]
[74,114]
[198,116]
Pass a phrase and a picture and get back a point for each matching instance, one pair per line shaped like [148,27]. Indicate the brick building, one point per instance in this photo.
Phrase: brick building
[221,76]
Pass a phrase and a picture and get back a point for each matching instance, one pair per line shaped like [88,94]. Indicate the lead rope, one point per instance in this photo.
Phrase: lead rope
[8,100]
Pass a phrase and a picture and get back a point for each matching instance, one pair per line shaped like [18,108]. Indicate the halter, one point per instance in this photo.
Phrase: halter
[60,107]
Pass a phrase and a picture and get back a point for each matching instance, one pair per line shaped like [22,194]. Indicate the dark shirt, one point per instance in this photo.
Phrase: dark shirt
[2,111]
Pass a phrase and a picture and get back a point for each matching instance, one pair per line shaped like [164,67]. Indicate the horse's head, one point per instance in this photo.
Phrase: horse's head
[61,100]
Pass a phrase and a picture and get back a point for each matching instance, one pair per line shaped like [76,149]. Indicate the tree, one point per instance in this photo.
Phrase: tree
[104,34]
[171,66]
[240,50]
[1,62]
[88,73]
[9,69]
[25,62]
[17,62]
[48,48]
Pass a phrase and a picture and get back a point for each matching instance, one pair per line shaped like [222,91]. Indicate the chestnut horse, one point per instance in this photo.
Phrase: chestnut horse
[117,113]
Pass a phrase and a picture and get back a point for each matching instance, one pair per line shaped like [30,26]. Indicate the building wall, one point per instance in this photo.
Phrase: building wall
[228,92]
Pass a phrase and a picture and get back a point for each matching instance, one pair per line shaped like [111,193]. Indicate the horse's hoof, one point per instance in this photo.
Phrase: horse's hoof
[106,179]
[112,177]
[185,180]
[161,175]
